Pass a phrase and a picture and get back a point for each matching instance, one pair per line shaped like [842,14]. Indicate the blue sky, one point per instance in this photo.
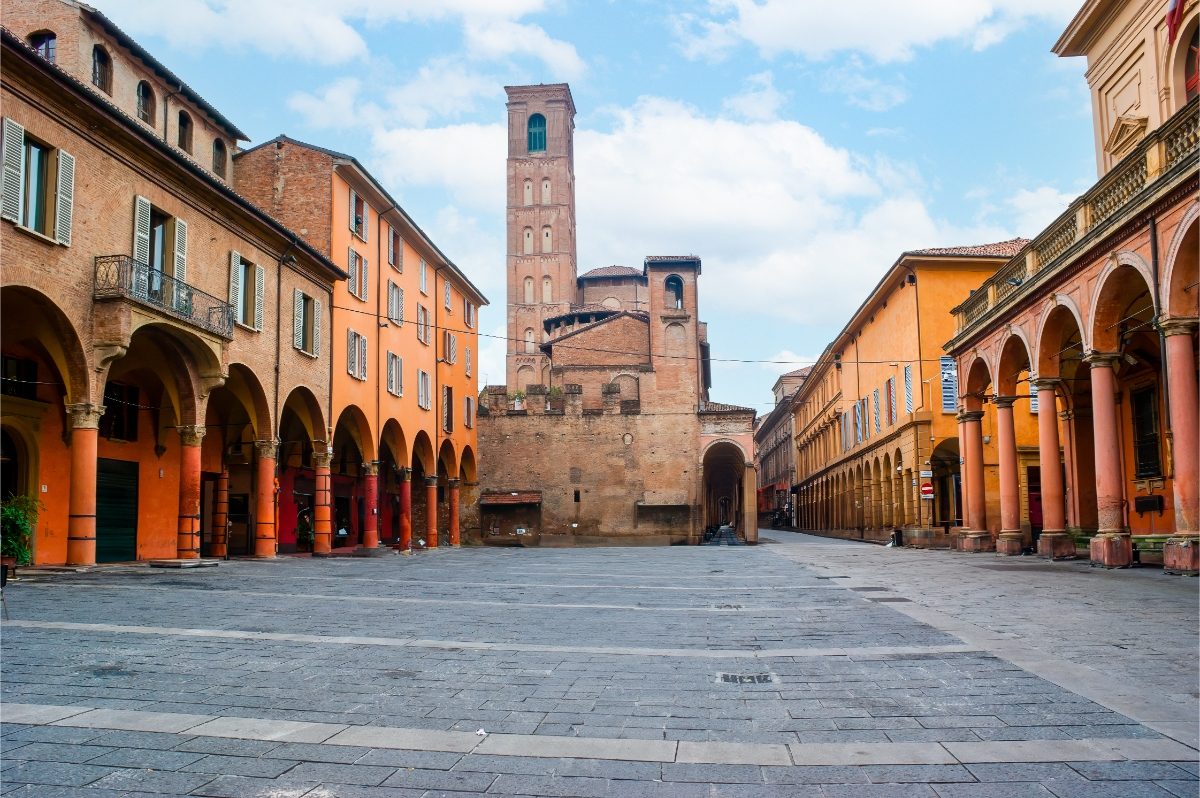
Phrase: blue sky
[797,146]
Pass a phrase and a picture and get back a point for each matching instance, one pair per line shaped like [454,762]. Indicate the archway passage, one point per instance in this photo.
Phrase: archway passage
[728,500]
[352,461]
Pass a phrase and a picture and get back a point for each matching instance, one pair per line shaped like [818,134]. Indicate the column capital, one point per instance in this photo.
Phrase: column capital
[322,459]
[453,483]
[431,482]
[967,416]
[1178,326]
[1045,383]
[267,449]
[404,473]
[1005,401]
[191,434]
[84,416]
[1101,359]
[371,468]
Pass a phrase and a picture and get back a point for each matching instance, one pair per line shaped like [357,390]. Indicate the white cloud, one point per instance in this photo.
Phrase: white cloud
[760,101]
[786,360]
[336,105]
[860,89]
[496,39]
[884,30]
[1034,209]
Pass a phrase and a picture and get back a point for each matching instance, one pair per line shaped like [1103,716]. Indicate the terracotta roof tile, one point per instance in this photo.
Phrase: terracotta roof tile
[1000,249]
[611,271]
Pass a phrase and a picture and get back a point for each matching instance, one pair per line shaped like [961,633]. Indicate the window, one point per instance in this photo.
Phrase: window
[358,275]
[160,244]
[358,215]
[1144,406]
[949,385]
[449,347]
[185,132]
[120,419]
[219,158]
[395,374]
[38,185]
[423,334]
[145,103]
[469,412]
[45,43]
[528,195]
[547,290]
[306,323]
[424,277]
[446,290]
[529,346]
[20,377]
[468,313]
[246,284]
[101,69]
[527,245]
[908,394]
[537,133]
[356,355]
[674,297]
[396,250]
[467,360]
[547,239]
[527,284]
[395,303]
[1191,66]
[858,425]
[545,191]
[423,390]
[447,409]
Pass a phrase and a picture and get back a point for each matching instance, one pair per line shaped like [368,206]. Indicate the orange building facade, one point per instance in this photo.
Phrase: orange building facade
[144,307]
[1097,317]
[401,460]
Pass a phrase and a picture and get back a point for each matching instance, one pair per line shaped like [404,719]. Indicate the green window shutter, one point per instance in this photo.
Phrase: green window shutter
[235,284]
[298,319]
[260,279]
[316,339]
[12,206]
[64,205]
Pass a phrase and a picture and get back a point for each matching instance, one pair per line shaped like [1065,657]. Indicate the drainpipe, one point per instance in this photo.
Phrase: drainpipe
[1162,338]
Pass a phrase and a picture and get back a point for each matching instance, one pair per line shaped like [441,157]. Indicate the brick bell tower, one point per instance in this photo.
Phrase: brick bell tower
[541,223]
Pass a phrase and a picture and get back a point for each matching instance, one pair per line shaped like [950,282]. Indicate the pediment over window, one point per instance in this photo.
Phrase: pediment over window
[1125,135]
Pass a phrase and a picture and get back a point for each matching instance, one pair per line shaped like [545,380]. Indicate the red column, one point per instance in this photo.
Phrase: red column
[431,513]
[264,486]
[220,516]
[406,510]
[1011,539]
[978,538]
[452,494]
[1111,546]
[188,542]
[323,506]
[370,524]
[84,422]
[1054,541]
[1185,428]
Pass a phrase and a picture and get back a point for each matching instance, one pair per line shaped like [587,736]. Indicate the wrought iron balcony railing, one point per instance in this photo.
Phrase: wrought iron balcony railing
[120,276]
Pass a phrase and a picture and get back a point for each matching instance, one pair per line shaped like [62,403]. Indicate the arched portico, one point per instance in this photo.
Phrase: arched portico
[729,490]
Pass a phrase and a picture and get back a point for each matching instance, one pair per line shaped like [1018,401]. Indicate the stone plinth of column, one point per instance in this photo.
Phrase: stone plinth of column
[975,541]
[323,505]
[84,422]
[1181,556]
[264,489]
[1111,550]
[187,546]
[1010,543]
[1056,545]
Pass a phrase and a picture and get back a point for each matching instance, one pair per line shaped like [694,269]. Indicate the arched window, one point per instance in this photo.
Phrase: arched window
[545,191]
[537,133]
[547,239]
[219,158]
[145,103]
[547,290]
[101,69]
[528,192]
[527,246]
[45,43]
[1191,67]
[529,340]
[528,285]
[674,295]
[185,132]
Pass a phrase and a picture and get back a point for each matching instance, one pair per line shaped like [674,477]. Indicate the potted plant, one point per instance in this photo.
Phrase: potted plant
[18,520]
[555,397]
[518,400]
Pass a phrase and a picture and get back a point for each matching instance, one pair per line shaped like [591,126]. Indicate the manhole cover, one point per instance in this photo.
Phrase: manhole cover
[889,600]
[746,678]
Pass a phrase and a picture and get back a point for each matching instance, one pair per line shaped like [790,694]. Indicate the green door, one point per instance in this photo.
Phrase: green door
[116,510]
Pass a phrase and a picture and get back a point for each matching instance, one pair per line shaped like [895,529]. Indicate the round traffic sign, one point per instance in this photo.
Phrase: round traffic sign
[926,488]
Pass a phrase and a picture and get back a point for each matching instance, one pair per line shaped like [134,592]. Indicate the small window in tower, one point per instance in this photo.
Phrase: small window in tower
[547,239]
[528,200]
[101,69]
[545,191]
[547,290]
[145,103]
[529,344]
[537,133]
[528,294]
[674,295]
[527,245]
[185,132]
[219,158]
[46,45]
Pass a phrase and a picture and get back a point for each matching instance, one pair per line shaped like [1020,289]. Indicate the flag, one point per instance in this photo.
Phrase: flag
[1173,19]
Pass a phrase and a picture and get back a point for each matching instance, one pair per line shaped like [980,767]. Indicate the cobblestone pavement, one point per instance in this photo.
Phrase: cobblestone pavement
[805,668]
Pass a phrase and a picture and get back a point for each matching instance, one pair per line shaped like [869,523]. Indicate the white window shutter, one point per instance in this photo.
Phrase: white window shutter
[141,230]
[260,279]
[353,203]
[298,319]
[316,326]
[366,221]
[399,376]
[391,246]
[908,389]
[352,264]
[181,250]
[64,205]
[400,304]
[391,373]
[365,290]
[13,205]
[400,253]
[1033,398]
[235,284]
[362,357]
[352,352]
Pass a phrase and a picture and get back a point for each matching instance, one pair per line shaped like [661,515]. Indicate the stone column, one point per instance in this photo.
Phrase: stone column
[977,538]
[452,496]
[750,503]
[1054,541]
[264,507]
[431,513]
[405,477]
[1181,554]
[1111,546]
[1070,489]
[370,521]
[322,504]
[1011,539]
[84,422]
[188,542]
[220,516]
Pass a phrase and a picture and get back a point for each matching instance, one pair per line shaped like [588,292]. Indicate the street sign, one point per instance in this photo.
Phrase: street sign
[926,490]
[926,475]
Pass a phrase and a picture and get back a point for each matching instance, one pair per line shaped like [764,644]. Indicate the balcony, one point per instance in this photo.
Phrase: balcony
[122,277]
[1167,157]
